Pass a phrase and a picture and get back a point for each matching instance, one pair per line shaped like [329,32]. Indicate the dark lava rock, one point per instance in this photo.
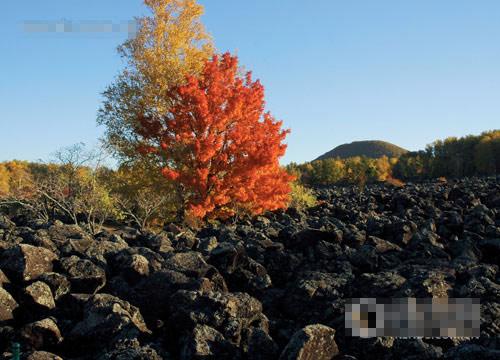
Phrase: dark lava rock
[39,296]
[72,305]
[100,251]
[7,337]
[58,283]
[415,349]
[382,284]
[315,296]
[26,262]
[3,279]
[107,319]
[491,250]
[135,268]
[83,274]
[190,263]
[260,345]
[228,313]
[207,244]
[6,223]
[7,305]
[314,342]
[160,243]
[41,334]
[205,342]
[369,348]
[153,304]
[241,272]
[250,288]
[42,355]
[132,349]
[472,352]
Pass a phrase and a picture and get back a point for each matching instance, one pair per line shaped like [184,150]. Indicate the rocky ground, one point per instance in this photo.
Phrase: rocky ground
[270,288]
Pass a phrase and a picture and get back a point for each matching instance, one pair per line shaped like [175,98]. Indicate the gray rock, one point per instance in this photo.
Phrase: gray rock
[382,246]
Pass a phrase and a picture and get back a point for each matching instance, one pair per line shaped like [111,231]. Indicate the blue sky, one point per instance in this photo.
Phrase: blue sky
[408,72]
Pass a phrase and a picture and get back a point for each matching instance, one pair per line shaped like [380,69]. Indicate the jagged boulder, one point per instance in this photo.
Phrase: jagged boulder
[228,313]
[190,263]
[132,349]
[83,274]
[107,319]
[314,342]
[7,305]
[41,334]
[26,262]
[58,283]
[205,342]
[39,296]
[6,223]
[42,355]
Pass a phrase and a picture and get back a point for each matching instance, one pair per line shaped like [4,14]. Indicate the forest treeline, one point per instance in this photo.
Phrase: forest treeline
[472,155]
[78,187]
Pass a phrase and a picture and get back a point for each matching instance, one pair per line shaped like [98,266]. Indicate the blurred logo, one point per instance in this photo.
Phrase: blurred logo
[412,317]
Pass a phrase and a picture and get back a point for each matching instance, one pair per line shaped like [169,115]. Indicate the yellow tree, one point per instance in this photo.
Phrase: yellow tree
[20,179]
[4,181]
[383,168]
[169,44]
[142,194]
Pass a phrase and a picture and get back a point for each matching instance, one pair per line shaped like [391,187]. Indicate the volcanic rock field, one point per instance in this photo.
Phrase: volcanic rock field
[271,287]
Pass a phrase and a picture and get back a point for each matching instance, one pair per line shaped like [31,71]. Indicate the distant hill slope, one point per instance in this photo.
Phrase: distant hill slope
[369,148]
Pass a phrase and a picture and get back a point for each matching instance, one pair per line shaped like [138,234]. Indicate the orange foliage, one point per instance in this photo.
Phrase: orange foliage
[394,182]
[220,145]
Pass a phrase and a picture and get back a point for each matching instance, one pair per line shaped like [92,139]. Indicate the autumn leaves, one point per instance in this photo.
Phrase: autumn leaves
[183,107]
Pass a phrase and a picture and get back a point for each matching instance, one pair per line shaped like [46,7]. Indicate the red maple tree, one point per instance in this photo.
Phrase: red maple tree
[220,145]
